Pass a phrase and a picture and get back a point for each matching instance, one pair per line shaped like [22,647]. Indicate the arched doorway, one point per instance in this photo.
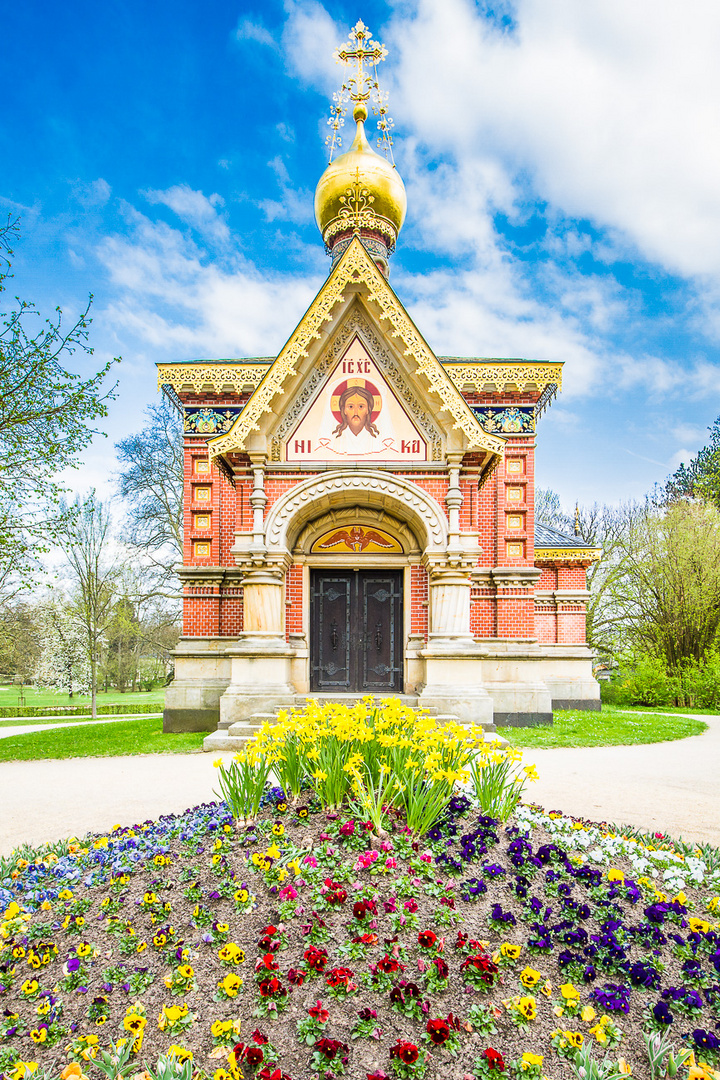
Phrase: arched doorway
[357,559]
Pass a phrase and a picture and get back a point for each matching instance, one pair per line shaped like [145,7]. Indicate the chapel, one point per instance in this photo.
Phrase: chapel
[359,511]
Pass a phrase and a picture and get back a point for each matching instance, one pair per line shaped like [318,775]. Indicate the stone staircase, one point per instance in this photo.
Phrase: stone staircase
[232,737]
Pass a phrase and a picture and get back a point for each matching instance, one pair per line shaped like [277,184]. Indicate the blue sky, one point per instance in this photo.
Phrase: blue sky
[562,164]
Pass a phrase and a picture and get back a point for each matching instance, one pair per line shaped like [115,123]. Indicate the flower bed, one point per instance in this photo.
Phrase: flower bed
[308,944]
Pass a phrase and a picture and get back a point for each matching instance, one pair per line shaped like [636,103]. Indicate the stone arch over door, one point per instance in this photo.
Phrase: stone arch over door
[367,489]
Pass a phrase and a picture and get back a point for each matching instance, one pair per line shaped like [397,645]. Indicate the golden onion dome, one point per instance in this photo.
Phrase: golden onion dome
[360,189]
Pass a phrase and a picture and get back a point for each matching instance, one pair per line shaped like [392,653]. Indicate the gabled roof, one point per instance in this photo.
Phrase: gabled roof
[355,267]
[550,543]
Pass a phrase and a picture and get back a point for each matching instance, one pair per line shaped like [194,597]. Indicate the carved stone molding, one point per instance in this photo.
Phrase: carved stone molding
[502,375]
[401,497]
[515,577]
[209,575]
[217,376]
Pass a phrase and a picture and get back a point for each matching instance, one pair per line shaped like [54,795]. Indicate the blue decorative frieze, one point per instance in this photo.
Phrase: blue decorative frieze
[208,421]
[508,419]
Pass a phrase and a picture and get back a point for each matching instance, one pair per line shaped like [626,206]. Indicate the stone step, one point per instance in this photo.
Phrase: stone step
[243,729]
[257,719]
[351,699]
[234,736]
[233,739]
[220,740]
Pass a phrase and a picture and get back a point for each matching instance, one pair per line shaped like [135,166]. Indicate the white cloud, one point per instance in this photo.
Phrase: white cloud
[247,30]
[294,204]
[680,457]
[169,296]
[310,37]
[194,208]
[95,193]
[689,433]
[611,109]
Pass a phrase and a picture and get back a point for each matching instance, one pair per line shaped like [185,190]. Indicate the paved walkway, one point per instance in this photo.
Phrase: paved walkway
[45,724]
[672,787]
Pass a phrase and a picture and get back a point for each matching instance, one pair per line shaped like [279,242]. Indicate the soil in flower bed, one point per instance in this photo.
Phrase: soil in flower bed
[347,943]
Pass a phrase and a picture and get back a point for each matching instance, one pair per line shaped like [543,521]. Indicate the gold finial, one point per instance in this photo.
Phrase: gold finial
[577,519]
[362,55]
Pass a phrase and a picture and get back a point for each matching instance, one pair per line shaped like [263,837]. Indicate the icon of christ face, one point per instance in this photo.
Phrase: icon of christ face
[356,406]
[356,413]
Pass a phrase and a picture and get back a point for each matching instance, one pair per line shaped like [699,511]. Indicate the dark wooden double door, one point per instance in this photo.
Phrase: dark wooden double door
[356,631]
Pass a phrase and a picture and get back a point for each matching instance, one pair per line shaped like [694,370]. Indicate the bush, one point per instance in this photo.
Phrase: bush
[695,684]
[116,709]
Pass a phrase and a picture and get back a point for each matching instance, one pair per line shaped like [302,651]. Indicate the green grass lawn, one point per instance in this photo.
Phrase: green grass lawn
[9,697]
[607,728]
[99,740]
[664,709]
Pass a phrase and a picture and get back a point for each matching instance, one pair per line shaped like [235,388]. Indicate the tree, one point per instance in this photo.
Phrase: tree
[604,527]
[63,661]
[663,597]
[151,482]
[701,478]
[46,420]
[19,640]
[94,571]
[548,510]
[122,645]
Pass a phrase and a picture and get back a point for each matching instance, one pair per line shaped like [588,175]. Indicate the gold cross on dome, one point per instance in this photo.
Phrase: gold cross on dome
[360,49]
[363,54]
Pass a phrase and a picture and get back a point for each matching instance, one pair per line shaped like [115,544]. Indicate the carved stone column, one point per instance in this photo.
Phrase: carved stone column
[261,672]
[453,501]
[258,502]
[449,605]
[453,676]
[262,601]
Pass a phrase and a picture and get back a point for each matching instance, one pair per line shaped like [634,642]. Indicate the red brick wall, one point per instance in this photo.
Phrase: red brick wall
[572,577]
[419,600]
[294,600]
[561,624]
[231,612]
[546,624]
[483,611]
[488,512]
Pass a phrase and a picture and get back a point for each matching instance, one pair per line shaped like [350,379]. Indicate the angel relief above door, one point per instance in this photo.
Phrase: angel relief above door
[356,417]
[358,539]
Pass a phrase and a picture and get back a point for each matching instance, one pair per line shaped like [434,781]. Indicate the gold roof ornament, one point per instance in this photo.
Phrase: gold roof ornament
[361,193]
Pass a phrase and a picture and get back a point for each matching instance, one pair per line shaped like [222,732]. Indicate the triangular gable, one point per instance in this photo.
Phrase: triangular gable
[355,267]
[355,415]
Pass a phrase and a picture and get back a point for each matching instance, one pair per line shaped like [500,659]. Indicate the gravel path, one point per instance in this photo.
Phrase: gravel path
[671,787]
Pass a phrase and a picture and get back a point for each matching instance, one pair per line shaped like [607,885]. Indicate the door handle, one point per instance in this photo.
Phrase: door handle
[334,639]
[378,637]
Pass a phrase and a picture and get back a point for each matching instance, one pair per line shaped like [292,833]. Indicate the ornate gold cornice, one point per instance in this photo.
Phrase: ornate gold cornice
[356,267]
[501,375]
[546,554]
[218,376]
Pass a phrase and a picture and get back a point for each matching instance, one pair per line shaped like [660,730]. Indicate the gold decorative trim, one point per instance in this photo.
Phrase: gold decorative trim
[355,266]
[564,554]
[503,374]
[233,375]
[357,213]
